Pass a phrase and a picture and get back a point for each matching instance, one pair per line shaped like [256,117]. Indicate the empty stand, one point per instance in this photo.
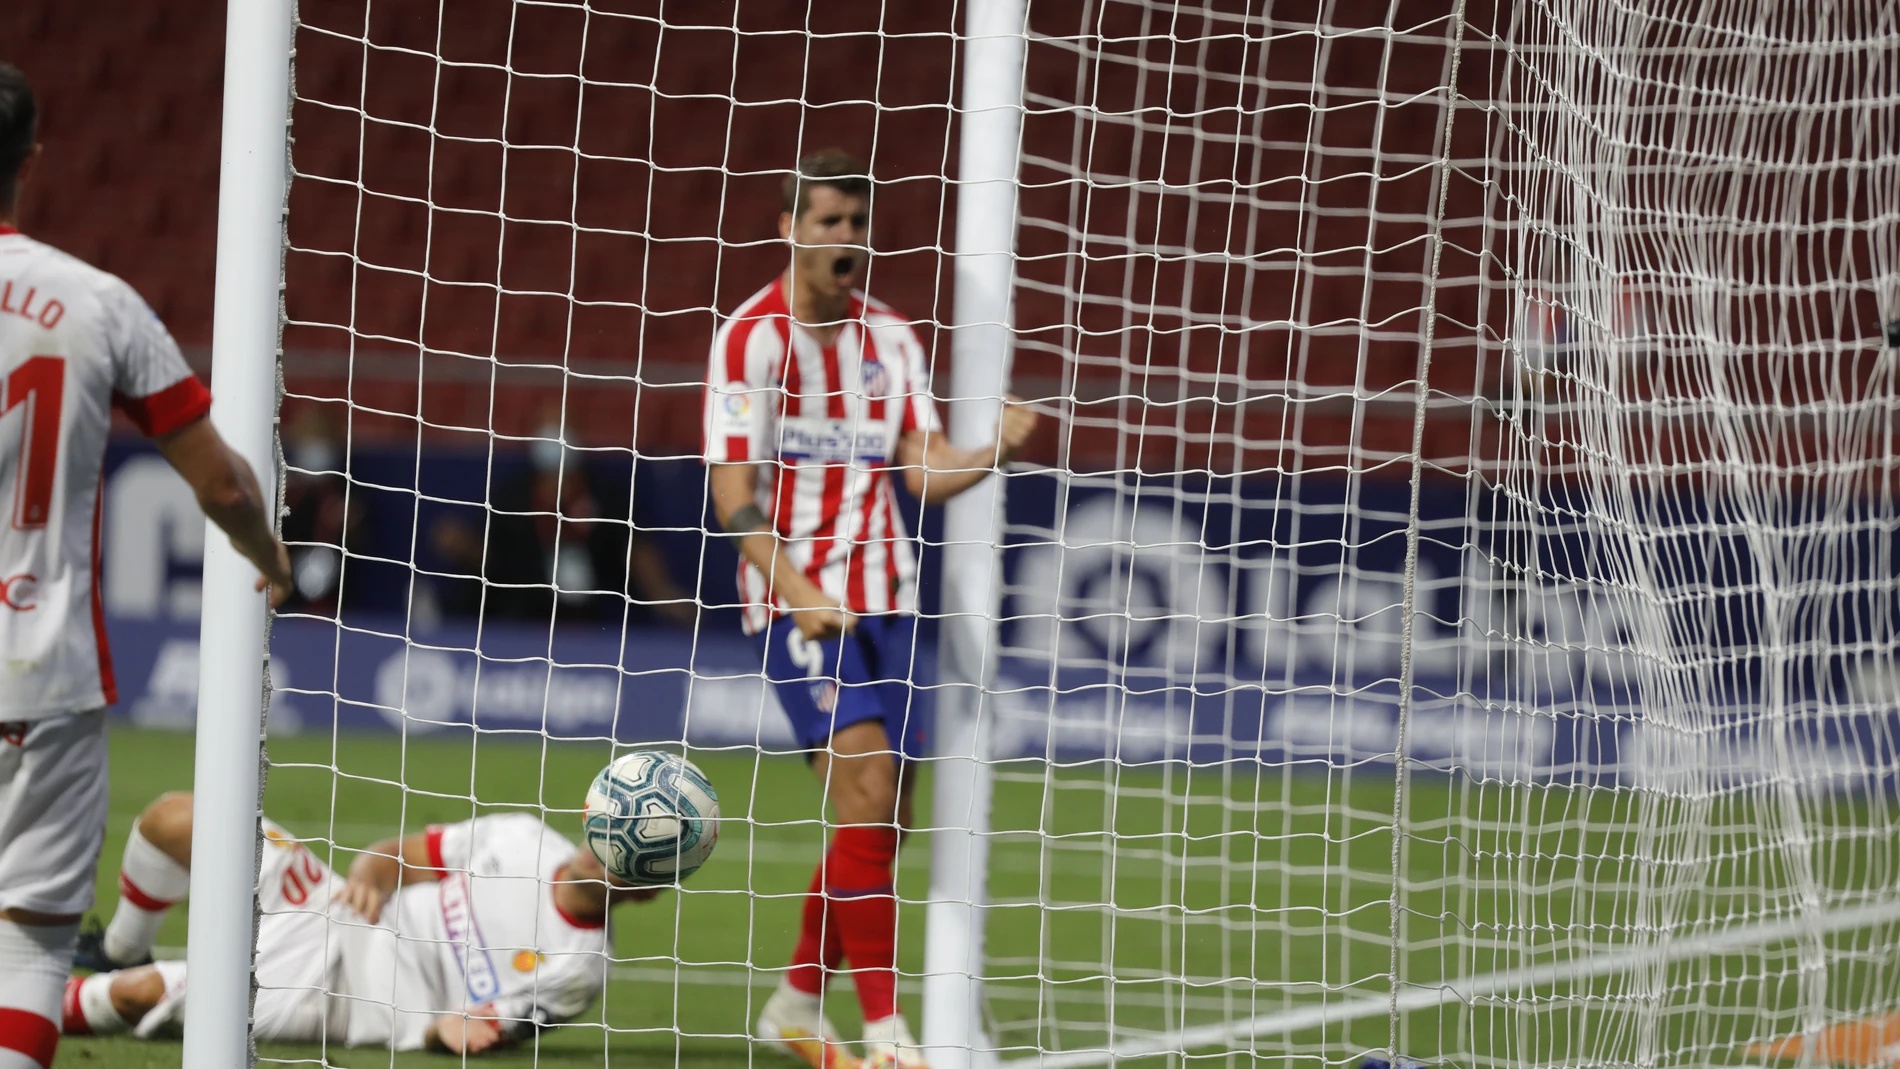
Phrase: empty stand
[598,224]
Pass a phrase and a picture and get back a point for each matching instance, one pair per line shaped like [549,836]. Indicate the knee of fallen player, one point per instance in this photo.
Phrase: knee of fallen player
[166,824]
[135,991]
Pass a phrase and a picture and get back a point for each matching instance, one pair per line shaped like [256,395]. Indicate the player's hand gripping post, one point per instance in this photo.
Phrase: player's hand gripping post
[228,492]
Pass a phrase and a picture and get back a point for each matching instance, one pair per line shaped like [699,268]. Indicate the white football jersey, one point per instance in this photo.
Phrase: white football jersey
[488,933]
[74,341]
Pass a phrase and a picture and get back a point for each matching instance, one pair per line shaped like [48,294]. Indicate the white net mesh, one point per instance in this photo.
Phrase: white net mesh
[1644,558]
[1451,615]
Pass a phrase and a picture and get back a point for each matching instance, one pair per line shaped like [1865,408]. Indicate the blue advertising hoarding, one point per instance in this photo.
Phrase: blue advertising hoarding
[1213,620]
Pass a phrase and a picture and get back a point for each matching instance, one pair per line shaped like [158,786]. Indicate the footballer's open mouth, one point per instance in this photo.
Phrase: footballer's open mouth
[842,265]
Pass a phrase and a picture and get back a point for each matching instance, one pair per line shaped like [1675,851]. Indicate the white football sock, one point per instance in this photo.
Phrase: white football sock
[37,960]
[150,883]
[95,1005]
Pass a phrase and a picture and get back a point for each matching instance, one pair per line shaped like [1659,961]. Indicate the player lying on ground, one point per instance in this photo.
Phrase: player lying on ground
[817,397]
[75,343]
[464,938]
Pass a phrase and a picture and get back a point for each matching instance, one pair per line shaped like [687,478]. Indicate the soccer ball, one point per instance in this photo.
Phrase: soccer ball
[652,818]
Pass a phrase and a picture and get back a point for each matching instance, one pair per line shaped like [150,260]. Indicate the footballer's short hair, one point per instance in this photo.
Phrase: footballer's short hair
[19,127]
[832,167]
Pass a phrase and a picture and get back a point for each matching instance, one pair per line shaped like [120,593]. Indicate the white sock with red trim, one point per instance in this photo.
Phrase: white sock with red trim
[150,883]
[37,960]
[88,1009]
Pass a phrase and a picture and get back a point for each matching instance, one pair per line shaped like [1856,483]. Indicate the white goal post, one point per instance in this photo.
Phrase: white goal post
[1449,611]
[992,53]
[233,690]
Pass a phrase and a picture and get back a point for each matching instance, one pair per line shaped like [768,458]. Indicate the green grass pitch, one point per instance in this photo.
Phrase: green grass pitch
[1136,901]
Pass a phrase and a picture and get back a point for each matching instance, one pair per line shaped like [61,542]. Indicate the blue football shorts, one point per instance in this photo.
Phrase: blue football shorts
[825,686]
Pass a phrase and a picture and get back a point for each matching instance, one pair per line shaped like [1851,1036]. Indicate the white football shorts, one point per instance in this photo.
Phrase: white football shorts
[53,788]
[297,948]
[298,945]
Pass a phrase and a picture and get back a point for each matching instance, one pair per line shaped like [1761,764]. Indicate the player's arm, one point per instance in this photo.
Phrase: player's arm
[228,493]
[735,490]
[936,471]
[379,870]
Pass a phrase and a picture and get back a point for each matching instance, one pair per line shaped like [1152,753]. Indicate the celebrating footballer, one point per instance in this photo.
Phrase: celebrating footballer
[817,397]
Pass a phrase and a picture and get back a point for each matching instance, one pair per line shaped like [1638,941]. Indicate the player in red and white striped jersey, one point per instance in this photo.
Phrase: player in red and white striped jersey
[829,433]
[817,397]
[73,342]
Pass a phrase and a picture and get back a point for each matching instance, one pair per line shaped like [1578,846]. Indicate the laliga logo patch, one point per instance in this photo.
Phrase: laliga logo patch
[877,381]
[731,409]
[526,960]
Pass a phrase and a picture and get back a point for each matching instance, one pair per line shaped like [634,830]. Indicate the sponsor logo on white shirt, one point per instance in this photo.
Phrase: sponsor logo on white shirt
[465,935]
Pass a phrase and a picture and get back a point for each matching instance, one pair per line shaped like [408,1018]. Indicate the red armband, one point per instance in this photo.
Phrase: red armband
[168,409]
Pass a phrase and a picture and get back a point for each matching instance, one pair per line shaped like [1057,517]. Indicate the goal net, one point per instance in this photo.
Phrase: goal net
[1447,612]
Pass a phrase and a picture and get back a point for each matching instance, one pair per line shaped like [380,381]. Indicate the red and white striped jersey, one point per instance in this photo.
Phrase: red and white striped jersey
[822,422]
[73,341]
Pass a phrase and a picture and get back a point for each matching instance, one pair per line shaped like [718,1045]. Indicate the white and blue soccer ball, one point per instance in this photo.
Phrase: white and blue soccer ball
[652,818]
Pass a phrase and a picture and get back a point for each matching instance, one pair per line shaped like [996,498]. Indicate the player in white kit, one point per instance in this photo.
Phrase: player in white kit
[464,937]
[74,342]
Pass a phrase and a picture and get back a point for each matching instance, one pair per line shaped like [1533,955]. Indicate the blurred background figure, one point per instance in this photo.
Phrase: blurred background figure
[559,545]
[325,521]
